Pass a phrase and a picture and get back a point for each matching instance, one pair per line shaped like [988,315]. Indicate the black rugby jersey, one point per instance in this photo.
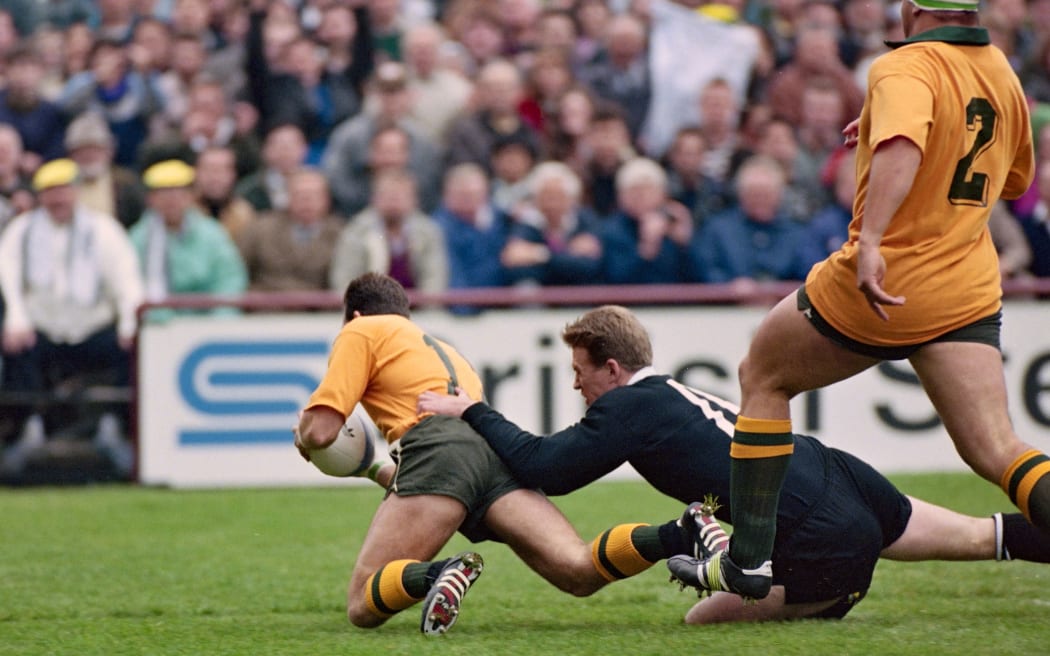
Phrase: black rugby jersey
[676,437]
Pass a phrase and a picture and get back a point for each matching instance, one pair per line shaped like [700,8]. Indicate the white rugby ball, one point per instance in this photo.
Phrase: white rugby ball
[353,450]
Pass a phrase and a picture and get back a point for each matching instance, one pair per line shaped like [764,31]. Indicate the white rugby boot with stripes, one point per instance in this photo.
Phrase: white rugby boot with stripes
[701,530]
[441,606]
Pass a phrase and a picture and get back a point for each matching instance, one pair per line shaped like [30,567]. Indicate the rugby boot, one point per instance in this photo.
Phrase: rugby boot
[702,531]
[441,606]
[720,573]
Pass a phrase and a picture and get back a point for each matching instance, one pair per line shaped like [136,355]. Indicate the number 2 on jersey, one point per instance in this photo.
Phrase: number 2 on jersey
[970,187]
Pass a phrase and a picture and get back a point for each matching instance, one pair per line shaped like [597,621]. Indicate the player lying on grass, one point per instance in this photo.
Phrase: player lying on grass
[837,516]
[447,477]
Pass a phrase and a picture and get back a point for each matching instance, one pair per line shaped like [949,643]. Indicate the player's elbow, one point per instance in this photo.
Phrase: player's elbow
[312,439]
[319,427]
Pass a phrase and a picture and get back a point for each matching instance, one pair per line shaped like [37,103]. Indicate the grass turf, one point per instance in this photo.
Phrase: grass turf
[124,570]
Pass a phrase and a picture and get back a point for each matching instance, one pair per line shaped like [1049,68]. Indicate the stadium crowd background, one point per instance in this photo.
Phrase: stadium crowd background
[466,143]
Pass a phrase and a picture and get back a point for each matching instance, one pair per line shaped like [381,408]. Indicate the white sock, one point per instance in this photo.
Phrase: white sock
[1001,552]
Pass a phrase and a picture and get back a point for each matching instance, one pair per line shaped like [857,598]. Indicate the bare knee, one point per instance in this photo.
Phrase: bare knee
[754,380]
[361,617]
[745,373]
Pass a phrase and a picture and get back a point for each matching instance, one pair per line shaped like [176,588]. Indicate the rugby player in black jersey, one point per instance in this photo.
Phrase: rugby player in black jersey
[836,515]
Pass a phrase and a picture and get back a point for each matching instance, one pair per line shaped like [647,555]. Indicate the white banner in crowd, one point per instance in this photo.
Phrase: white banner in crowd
[218,396]
[686,51]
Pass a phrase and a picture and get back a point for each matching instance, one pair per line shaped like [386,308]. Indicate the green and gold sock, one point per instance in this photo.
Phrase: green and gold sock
[396,586]
[1027,483]
[760,452]
[1017,539]
[616,555]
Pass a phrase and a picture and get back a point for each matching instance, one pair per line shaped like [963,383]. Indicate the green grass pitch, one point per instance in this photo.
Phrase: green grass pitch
[125,570]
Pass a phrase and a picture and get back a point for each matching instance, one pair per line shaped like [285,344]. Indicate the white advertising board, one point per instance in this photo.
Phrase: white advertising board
[218,396]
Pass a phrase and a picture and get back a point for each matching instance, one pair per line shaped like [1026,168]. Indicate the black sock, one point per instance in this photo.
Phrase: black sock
[1021,540]
[418,579]
[672,540]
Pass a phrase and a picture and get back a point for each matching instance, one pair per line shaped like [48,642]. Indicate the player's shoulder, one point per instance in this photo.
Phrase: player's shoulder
[374,325]
[641,396]
[653,381]
[912,59]
[645,387]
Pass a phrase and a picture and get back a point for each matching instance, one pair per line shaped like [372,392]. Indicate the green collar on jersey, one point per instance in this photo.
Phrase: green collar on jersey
[954,34]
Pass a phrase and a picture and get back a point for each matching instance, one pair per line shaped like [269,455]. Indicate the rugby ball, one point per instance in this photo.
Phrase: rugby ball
[353,450]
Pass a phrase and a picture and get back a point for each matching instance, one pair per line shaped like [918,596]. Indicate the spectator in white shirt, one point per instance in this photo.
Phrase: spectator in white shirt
[70,279]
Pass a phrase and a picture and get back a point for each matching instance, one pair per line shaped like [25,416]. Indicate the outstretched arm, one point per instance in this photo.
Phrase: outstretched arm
[559,463]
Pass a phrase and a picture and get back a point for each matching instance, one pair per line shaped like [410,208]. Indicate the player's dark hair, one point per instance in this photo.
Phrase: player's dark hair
[374,293]
[964,18]
[611,332]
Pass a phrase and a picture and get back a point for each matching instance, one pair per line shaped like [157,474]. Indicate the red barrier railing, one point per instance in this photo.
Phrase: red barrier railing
[761,293]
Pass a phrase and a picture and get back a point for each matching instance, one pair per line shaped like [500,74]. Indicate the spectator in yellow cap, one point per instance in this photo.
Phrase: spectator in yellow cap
[169,174]
[56,173]
[722,11]
[71,282]
[183,251]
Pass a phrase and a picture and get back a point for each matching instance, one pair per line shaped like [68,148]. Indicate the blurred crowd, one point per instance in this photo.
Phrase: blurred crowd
[158,147]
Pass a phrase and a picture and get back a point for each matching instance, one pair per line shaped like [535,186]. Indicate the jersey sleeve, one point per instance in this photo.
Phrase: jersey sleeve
[901,106]
[1019,179]
[349,368]
[559,463]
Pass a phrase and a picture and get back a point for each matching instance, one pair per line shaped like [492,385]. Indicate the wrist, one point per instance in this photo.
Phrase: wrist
[475,406]
[466,407]
[372,473]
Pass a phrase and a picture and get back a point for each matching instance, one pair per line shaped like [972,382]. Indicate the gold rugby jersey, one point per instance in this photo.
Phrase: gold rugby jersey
[385,363]
[955,97]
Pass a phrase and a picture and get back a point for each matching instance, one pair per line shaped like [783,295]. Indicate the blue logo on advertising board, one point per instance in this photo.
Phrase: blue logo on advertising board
[263,382]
